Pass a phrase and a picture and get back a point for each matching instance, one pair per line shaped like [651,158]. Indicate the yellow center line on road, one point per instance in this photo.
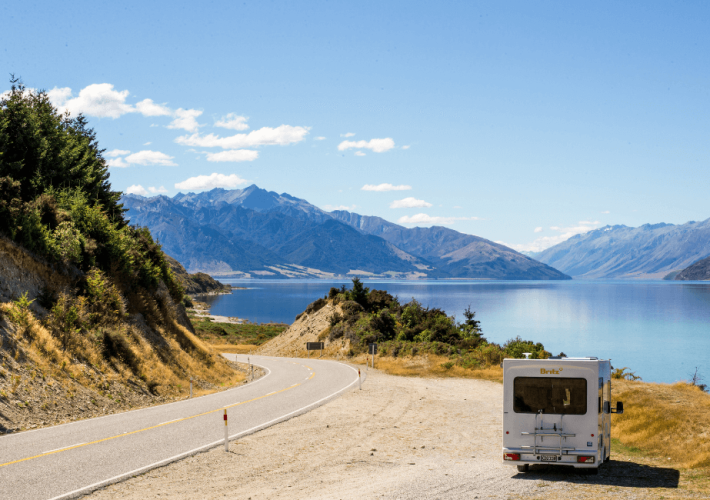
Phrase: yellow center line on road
[81,445]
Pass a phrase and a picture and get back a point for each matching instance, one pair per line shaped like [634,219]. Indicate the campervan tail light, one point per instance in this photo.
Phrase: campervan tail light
[585,460]
[511,456]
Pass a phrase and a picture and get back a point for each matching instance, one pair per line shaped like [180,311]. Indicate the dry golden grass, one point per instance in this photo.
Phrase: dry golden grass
[234,348]
[430,366]
[664,420]
[168,375]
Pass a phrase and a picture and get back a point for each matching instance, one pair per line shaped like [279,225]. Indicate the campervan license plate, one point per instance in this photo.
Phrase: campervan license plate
[548,458]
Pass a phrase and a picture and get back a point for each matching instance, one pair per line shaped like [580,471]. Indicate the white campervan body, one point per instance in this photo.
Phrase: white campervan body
[557,411]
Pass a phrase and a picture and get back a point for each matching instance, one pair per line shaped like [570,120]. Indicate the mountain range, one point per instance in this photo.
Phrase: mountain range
[651,251]
[252,232]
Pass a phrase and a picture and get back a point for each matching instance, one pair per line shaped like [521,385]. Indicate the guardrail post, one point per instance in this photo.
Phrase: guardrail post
[226,432]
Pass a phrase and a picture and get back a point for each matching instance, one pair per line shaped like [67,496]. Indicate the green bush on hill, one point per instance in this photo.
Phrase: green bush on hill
[56,201]
[410,329]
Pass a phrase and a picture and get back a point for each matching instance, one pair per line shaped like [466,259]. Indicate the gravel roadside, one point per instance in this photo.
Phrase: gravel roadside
[404,438]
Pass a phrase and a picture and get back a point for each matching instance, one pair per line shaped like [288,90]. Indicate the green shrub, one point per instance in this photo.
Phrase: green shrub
[65,319]
[621,373]
[316,305]
[20,311]
[515,348]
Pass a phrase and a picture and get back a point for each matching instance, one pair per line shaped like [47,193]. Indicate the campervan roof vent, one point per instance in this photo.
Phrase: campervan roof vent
[527,355]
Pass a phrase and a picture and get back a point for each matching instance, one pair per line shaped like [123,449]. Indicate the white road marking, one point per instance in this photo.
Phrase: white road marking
[92,487]
[64,447]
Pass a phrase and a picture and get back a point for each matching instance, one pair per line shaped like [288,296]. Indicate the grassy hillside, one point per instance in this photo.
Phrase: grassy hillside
[88,303]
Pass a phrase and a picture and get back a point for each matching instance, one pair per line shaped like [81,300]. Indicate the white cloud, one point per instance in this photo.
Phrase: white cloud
[98,99]
[147,143]
[359,153]
[410,203]
[137,189]
[564,233]
[233,121]
[428,219]
[538,229]
[605,212]
[57,95]
[375,145]
[203,182]
[265,136]
[320,138]
[348,134]
[385,187]
[233,155]
[117,163]
[117,152]
[406,147]
[147,107]
[330,208]
[148,157]
[185,119]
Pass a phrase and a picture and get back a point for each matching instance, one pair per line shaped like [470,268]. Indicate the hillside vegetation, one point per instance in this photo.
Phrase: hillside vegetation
[412,339]
[88,303]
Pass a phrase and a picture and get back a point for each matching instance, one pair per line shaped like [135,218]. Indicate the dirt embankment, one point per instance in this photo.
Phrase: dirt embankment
[63,361]
[310,326]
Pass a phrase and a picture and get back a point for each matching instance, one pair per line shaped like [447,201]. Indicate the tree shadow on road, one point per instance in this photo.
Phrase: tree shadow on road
[611,473]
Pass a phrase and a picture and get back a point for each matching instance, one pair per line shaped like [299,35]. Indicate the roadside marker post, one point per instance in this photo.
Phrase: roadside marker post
[226,432]
[190,387]
[372,350]
[359,379]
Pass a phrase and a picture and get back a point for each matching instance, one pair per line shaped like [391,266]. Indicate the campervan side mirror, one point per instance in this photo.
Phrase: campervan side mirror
[607,407]
[619,407]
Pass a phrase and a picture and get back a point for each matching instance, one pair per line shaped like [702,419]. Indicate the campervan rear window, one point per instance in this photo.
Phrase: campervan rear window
[559,396]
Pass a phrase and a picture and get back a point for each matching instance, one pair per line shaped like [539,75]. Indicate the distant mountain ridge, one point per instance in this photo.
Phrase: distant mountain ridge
[258,233]
[650,251]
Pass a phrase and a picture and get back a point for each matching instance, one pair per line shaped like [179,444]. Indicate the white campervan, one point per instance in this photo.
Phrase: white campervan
[557,411]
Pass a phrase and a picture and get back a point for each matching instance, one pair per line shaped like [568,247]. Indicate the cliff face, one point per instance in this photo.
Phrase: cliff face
[700,271]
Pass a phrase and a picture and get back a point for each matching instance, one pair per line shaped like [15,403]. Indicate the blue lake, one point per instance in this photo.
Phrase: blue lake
[660,329]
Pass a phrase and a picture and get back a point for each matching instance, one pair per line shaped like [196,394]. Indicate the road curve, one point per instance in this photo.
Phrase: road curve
[73,459]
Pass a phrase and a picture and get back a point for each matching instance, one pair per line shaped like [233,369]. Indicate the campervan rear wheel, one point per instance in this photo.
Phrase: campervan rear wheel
[523,468]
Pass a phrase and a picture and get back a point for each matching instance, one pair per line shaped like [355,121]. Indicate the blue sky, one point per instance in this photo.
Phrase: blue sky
[521,122]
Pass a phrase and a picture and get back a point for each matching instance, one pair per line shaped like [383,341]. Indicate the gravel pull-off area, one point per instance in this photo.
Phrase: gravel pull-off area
[398,438]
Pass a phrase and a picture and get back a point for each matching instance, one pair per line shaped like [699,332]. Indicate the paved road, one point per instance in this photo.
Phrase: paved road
[69,460]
